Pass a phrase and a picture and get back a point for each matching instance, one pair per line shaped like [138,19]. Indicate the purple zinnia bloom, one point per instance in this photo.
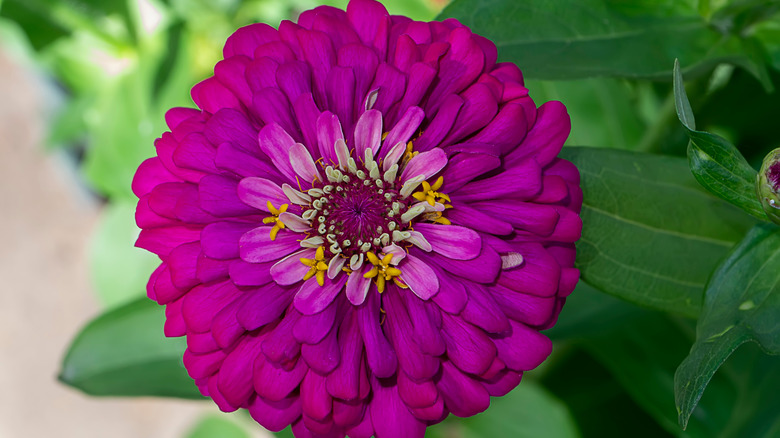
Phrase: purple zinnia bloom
[364,227]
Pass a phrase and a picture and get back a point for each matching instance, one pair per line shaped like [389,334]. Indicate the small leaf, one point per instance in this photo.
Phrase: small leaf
[124,353]
[119,269]
[529,411]
[217,427]
[652,235]
[742,303]
[568,39]
[715,163]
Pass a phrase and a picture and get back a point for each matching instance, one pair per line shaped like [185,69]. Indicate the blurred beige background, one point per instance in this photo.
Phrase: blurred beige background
[46,222]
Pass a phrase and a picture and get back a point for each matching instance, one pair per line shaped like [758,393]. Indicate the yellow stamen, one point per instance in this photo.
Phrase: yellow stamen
[382,272]
[274,219]
[429,193]
[317,265]
[409,154]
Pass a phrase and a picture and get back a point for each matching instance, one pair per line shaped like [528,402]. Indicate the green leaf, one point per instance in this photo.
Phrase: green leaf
[642,355]
[568,39]
[589,312]
[217,427]
[599,404]
[652,236]
[529,411]
[119,270]
[715,163]
[124,353]
[742,303]
[602,110]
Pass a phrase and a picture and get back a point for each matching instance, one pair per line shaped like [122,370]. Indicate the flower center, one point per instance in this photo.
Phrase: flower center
[774,176]
[355,213]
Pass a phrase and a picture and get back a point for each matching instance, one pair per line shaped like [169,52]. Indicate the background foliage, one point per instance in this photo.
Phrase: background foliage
[679,267]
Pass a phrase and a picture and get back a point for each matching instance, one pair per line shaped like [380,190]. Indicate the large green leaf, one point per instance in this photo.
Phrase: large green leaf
[716,163]
[652,235]
[602,110]
[589,313]
[643,355]
[124,353]
[598,402]
[742,303]
[567,39]
[529,411]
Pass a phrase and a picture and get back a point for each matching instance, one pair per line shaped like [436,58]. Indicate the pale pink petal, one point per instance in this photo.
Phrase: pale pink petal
[368,132]
[419,276]
[427,163]
[303,164]
[358,285]
[295,222]
[256,192]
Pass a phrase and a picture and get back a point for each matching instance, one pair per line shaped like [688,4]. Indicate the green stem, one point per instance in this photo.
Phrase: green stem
[651,140]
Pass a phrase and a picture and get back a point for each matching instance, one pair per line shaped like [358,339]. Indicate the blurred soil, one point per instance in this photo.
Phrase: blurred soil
[46,222]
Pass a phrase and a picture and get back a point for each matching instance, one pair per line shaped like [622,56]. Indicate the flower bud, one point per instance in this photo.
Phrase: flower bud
[768,185]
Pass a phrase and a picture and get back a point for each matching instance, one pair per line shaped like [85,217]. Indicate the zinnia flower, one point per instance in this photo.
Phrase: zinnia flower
[364,227]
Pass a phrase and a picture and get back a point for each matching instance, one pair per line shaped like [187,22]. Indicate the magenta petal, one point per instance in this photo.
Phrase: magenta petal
[464,215]
[545,139]
[256,246]
[244,40]
[343,382]
[203,302]
[502,383]
[250,274]
[263,305]
[463,396]
[426,322]
[348,413]
[235,375]
[315,400]
[276,143]
[311,329]
[469,348]
[419,276]
[313,298]
[521,181]
[464,167]
[371,22]
[275,415]
[275,383]
[303,164]
[150,173]
[211,96]
[324,356]
[340,89]
[451,241]
[526,308]
[416,394]
[413,361]
[328,131]
[379,354]
[524,349]
[390,416]
[404,128]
